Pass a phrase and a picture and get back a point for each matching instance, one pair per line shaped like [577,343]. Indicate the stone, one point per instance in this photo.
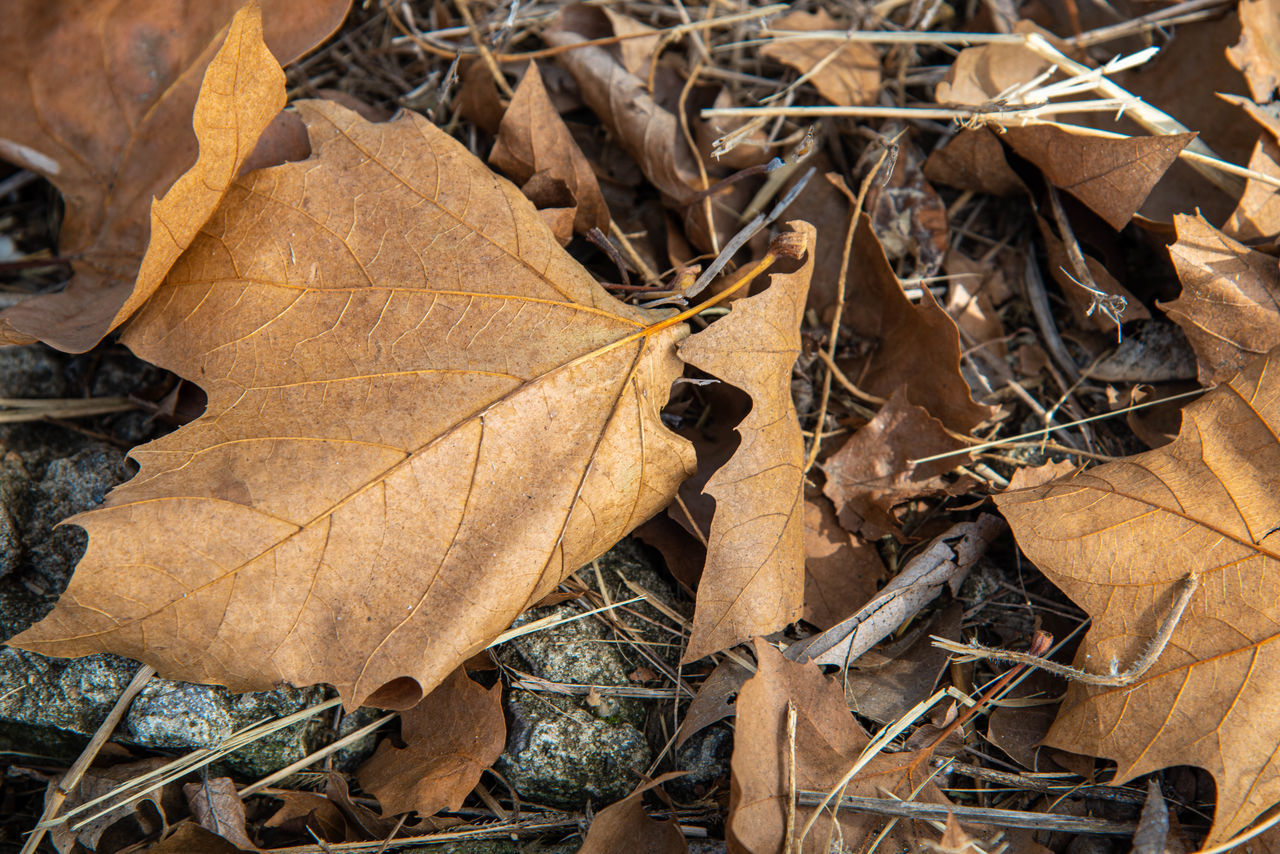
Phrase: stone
[570,750]
[75,695]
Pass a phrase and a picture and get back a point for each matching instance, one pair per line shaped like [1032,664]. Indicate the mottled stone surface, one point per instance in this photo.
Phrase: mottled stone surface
[74,695]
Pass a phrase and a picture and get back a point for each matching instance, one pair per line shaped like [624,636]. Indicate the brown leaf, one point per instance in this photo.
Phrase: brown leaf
[1119,539]
[150,814]
[715,699]
[841,571]
[1257,54]
[189,838]
[534,141]
[1257,216]
[872,472]
[828,742]
[451,737]
[753,582]
[916,348]
[974,160]
[216,806]
[1230,302]
[980,74]
[423,415]
[850,77]
[118,132]
[625,826]
[1113,177]
[1079,299]
[908,214]
[646,130]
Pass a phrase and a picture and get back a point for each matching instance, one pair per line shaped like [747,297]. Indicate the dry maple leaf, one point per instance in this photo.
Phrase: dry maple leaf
[113,129]
[753,583]
[1230,302]
[1120,539]
[1258,53]
[625,826]
[423,414]
[451,737]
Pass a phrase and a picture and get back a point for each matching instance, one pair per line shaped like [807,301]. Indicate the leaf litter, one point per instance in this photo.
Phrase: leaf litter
[430,401]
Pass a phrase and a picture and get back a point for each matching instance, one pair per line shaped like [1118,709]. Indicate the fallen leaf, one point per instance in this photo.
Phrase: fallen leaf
[841,571]
[451,737]
[307,812]
[1230,302]
[955,841]
[974,160]
[1080,300]
[534,141]
[1257,216]
[908,214]
[828,742]
[1152,835]
[916,348]
[646,130]
[1120,539]
[189,838]
[216,806]
[1257,54]
[1113,177]
[147,815]
[118,132]
[846,73]
[625,826]
[873,471]
[945,563]
[753,582]
[980,74]
[714,701]
[423,415]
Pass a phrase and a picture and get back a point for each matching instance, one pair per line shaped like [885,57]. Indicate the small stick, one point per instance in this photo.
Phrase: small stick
[1039,300]
[597,237]
[790,838]
[979,815]
[67,784]
[1186,589]
[1111,305]
[486,55]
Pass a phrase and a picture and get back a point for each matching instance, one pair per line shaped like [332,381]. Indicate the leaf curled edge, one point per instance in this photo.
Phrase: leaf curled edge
[423,414]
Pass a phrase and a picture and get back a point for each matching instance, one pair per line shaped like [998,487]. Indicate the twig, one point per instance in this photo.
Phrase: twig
[58,796]
[1186,588]
[486,55]
[978,815]
[969,115]
[1162,17]
[789,838]
[1110,305]
[982,446]
[1039,300]
[316,756]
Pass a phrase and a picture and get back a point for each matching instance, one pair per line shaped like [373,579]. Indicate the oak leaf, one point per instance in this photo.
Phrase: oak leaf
[1230,302]
[903,345]
[625,826]
[753,583]
[423,415]
[451,737]
[1257,54]
[1121,539]
[828,742]
[118,132]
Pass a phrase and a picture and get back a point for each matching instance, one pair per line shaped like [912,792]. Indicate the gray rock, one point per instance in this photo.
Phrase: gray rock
[705,757]
[567,751]
[559,754]
[74,696]
[32,372]
[40,555]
